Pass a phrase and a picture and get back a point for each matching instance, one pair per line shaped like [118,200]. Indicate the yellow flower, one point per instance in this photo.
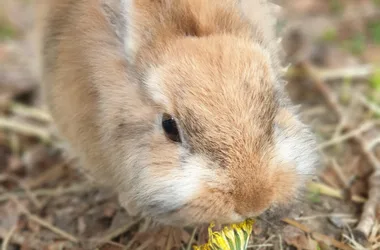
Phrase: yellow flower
[235,237]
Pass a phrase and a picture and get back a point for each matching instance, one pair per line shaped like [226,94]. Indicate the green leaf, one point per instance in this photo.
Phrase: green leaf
[315,197]
[330,35]
[237,241]
[6,32]
[356,45]
[336,7]
[375,79]
[374,30]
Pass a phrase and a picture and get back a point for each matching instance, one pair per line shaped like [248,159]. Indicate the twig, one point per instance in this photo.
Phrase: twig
[353,133]
[145,244]
[25,129]
[259,246]
[8,237]
[331,99]
[48,192]
[370,105]
[321,188]
[368,217]
[130,243]
[330,241]
[44,223]
[118,231]
[30,112]
[322,216]
[280,241]
[354,243]
[357,72]
[318,236]
[19,239]
[340,174]
[27,190]
[112,243]
[265,242]
[51,174]
[372,144]
[191,239]
[52,228]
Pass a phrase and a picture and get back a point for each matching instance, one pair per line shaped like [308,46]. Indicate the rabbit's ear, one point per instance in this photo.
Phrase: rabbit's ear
[133,21]
[132,37]
[114,13]
[262,14]
[260,11]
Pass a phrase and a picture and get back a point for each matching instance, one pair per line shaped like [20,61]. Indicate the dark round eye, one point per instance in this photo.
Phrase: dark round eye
[170,127]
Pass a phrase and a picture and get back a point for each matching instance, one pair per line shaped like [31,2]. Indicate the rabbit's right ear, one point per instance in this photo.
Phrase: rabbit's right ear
[133,21]
[262,14]
[113,11]
[123,17]
[131,36]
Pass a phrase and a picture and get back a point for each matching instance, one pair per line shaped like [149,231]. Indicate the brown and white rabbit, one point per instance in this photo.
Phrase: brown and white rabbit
[177,104]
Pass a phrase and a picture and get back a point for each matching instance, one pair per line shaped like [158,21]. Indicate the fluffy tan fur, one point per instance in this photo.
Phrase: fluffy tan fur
[111,68]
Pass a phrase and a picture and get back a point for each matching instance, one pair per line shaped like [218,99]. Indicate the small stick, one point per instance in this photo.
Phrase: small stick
[27,190]
[322,216]
[8,237]
[370,105]
[19,239]
[368,217]
[145,244]
[25,129]
[51,174]
[372,144]
[330,241]
[259,246]
[280,241]
[331,99]
[49,192]
[340,174]
[265,242]
[44,223]
[52,228]
[30,112]
[131,242]
[191,239]
[353,133]
[332,192]
[353,243]
[118,231]
[357,72]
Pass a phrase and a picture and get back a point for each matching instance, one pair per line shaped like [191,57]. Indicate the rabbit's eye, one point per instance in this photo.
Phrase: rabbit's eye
[170,127]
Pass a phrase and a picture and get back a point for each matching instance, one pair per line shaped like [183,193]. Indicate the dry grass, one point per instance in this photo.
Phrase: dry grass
[45,203]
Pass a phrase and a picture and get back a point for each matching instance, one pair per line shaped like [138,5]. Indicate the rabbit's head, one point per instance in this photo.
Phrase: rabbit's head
[222,141]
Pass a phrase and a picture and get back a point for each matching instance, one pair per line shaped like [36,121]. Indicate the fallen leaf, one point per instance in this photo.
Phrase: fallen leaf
[295,237]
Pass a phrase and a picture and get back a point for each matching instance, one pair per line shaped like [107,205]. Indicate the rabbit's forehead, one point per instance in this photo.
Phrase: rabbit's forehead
[224,100]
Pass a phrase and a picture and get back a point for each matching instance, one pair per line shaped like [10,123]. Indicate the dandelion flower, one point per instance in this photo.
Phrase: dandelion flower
[234,237]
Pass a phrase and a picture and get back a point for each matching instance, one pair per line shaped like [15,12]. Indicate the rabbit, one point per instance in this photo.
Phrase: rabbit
[178,105]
